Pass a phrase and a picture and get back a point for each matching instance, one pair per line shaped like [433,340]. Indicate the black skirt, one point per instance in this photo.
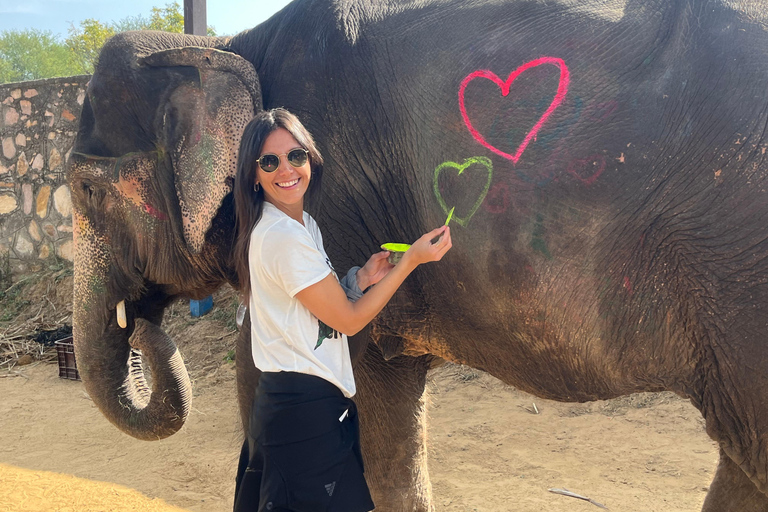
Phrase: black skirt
[298,456]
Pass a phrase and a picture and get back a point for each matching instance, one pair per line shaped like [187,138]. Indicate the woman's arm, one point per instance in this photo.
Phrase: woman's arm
[328,302]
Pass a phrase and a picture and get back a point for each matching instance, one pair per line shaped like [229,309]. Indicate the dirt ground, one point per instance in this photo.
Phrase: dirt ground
[490,447]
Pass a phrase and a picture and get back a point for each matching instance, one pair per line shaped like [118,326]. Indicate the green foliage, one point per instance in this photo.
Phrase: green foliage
[168,19]
[85,41]
[32,54]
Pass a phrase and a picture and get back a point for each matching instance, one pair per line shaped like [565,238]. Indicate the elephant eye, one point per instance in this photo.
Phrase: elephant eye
[93,194]
[89,189]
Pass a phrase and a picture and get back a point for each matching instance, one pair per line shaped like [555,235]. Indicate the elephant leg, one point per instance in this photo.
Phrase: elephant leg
[247,373]
[733,491]
[390,399]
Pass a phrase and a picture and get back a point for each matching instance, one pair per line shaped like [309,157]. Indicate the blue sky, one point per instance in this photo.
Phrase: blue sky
[226,16]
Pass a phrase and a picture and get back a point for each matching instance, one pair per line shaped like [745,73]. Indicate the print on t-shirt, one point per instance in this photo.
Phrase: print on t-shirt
[324,331]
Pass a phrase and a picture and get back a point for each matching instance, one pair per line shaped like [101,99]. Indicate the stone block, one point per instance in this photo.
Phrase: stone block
[26,198]
[16,94]
[7,204]
[30,93]
[69,116]
[26,107]
[62,201]
[66,250]
[9,150]
[34,231]
[21,140]
[24,246]
[51,135]
[11,117]
[49,230]
[65,228]
[37,162]
[8,101]
[6,184]
[21,165]
[13,222]
[80,97]
[54,159]
[45,251]
[41,206]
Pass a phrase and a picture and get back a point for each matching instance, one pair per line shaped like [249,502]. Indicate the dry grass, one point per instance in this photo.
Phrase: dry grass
[33,303]
[30,304]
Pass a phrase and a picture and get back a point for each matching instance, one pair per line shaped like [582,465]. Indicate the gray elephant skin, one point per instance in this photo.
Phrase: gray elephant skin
[606,166]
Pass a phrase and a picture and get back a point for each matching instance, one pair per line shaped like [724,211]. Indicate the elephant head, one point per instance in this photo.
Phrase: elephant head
[151,175]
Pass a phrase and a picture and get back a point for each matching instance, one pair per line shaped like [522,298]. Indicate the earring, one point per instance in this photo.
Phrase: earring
[256,186]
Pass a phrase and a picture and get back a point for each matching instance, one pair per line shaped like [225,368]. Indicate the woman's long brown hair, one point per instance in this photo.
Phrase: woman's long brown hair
[250,203]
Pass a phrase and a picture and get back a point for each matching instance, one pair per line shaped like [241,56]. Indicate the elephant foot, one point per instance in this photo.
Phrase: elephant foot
[733,491]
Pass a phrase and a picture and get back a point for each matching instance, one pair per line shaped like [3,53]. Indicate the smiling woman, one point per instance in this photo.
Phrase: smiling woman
[302,451]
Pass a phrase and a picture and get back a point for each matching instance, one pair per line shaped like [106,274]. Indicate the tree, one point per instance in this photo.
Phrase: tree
[168,19]
[85,42]
[32,54]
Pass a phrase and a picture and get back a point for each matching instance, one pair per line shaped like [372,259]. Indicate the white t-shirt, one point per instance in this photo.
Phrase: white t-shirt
[284,258]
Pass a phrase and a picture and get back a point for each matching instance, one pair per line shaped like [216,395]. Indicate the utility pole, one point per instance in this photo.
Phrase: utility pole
[194,18]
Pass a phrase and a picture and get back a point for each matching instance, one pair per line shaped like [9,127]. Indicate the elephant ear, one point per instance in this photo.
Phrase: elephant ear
[200,124]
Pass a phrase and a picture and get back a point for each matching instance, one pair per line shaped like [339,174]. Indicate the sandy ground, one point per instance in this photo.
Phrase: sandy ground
[488,450]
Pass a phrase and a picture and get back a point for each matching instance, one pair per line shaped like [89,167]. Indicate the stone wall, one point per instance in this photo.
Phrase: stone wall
[38,123]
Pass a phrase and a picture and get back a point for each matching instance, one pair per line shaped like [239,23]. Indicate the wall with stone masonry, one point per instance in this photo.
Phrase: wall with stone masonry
[38,123]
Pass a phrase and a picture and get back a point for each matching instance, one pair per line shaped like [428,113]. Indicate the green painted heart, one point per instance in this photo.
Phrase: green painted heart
[479,163]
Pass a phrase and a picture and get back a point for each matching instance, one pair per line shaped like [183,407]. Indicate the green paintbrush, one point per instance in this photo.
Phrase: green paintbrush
[450,214]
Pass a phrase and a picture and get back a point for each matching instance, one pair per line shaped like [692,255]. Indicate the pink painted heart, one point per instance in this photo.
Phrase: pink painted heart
[562,89]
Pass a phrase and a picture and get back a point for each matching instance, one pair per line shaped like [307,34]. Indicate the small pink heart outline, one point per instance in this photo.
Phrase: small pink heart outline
[562,89]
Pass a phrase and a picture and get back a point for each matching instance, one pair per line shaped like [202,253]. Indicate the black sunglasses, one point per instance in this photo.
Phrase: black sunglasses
[296,157]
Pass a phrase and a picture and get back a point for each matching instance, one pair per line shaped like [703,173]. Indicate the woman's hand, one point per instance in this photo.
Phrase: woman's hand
[374,270]
[328,302]
[424,251]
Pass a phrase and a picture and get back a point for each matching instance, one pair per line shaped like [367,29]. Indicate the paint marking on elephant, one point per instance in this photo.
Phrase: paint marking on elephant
[484,163]
[154,212]
[580,168]
[562,90]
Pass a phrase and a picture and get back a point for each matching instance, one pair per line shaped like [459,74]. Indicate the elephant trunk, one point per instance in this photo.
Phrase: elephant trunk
[109,357]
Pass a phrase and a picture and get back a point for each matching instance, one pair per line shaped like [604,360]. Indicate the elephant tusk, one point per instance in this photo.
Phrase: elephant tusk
[121,321]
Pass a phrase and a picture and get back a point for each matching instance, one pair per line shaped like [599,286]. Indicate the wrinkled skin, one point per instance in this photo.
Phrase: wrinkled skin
[620,247]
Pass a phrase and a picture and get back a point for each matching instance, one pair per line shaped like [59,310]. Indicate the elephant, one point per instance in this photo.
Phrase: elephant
[602,165]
